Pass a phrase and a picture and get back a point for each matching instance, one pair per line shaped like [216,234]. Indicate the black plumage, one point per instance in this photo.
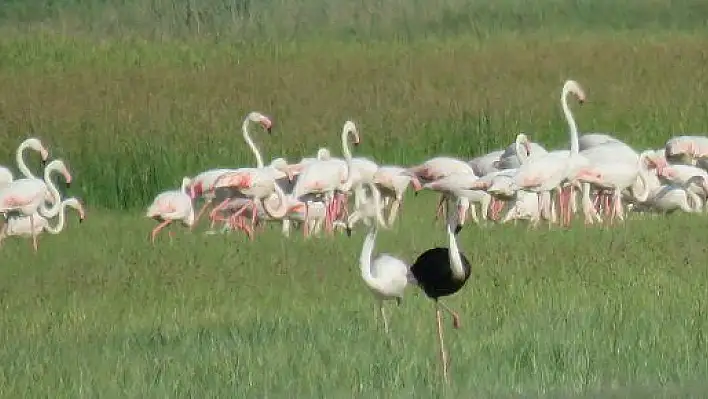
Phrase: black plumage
[433,273]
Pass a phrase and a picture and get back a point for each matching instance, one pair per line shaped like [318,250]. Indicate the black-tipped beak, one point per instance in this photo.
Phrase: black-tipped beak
[458,229]
[81,220]
[356,144]
[269,130]
[581,101]
[349,231]
[68,184]
[415,193]
[44,162]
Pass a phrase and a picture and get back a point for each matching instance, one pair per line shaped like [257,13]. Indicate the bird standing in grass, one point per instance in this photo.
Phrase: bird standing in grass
[386,276]
[441,272]
[172,205]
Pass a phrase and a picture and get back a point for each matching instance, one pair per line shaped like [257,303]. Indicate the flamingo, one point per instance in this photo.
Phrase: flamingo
[203,183]
[590,140]
[671,197]
[27,196]
[171,206]
[32,143]
[688,149]
[441,272]
[521,148]
[438,168]
[393,181]
[22,225]
[254,183]
[367,209]
[386,276]
[484,164]
[545,173]
[326,177]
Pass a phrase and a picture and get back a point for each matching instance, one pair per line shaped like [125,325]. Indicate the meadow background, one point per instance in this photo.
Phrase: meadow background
[136,94]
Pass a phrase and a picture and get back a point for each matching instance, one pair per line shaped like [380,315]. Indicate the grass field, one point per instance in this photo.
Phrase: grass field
[136,96]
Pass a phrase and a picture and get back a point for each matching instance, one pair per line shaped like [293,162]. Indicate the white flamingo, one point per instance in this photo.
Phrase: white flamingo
[32,143]
[546,173]
[171,206]
[324,177]
[27,196]
[386,276]
[22,225]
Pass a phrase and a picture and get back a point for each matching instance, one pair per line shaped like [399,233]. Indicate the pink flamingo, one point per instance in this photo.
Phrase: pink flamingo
[170,206]
[202,185]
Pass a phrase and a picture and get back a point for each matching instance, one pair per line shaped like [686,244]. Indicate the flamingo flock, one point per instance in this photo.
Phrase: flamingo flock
[28,203]
[598,176]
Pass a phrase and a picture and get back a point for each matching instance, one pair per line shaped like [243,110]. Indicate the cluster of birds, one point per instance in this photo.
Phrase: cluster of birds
[28,204]
[524,180]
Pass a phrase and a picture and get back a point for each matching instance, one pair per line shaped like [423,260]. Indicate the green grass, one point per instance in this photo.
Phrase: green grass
[134,96]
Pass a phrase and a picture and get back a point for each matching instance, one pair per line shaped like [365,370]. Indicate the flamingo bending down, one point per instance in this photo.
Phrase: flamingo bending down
[22,225]
[367,209]
[438,168]
[486,163]
[6,176]
[254,183]
[688,149]
[393,181]
[27,196]
[170,206]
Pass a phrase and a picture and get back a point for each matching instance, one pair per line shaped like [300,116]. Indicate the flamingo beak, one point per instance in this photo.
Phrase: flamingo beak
[68,179]
[290,173]
[527,146]
[458,229]
[45,156]
[349,231]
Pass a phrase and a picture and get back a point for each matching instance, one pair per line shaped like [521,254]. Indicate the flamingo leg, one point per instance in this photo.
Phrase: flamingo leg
[443,354]
[441,204]
[200,213]
[157,230]
[34,233]
[383,316]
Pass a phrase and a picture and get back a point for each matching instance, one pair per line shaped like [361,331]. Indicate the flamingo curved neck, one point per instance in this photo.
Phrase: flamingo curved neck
[367,251]
[458,271]
[572,125]
[247,137]
[55,207]
[346,131]
[59,226]
[282,209]
[21,161]
[644,178]
[376,196]
[521,154]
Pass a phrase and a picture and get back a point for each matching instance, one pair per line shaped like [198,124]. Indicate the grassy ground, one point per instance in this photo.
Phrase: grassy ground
[135,98]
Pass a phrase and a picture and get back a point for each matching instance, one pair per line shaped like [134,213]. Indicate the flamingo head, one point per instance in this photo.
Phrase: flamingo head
[351,129]
[76,204]
[574,87]
[60,166]
[37,145]
[266,122]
